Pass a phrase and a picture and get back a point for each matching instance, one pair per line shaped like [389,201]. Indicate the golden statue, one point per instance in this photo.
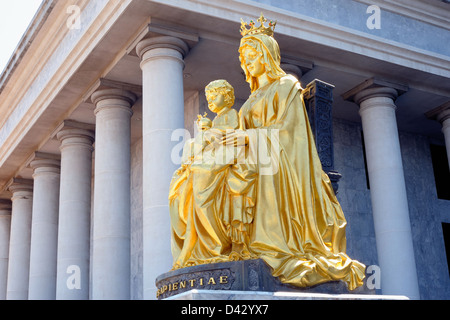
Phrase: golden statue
[237,209]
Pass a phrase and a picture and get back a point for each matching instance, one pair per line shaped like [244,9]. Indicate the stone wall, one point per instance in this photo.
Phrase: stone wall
[353,194]
[426,211]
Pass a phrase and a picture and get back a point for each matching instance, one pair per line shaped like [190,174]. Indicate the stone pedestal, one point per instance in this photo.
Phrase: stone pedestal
[264,295]
[241,276]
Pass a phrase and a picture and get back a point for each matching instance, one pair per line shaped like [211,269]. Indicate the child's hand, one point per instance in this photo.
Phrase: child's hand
[203,123]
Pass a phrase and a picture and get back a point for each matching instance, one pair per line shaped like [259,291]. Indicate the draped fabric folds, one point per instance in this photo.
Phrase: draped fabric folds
[283,211]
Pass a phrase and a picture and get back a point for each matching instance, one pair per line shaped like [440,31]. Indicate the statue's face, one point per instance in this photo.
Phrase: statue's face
[216,101]
[253,62]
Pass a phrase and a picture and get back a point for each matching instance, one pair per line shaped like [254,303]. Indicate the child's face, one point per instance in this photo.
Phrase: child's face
[216,101]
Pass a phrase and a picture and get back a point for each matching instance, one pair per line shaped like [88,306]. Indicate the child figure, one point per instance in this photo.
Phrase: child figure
[205,149]
[220,97]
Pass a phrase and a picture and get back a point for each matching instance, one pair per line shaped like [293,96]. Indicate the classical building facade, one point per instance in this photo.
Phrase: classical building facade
[96,97]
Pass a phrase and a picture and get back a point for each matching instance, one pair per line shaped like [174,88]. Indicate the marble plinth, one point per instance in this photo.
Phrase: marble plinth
[238,276]
[260,295]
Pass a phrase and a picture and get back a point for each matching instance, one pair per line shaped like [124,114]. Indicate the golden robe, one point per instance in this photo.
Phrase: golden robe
[288,216]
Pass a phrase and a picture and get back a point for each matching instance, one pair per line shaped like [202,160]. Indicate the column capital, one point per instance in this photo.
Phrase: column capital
[175,48]
[20,185]
[110,98]
[41,166]
[296,66]
[441,114]
[72,135]
[67,133]
[384,92]
[376,97]
[374,88]
[292,69]
[45,163]
[69,128]
[444,113]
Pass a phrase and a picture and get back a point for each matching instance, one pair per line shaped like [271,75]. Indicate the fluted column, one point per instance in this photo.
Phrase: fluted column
[388,192]
[74,214]
[5,229]
[44,229]
[444,118]
[163,112]
[111,230]
[19,244]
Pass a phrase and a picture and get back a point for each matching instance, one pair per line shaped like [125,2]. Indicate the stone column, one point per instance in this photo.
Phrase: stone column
[19,243]
[5,229]
[74,214]
[163,112]
[44,229]
[292,70]
[388,192]
[444,118]
[111,230]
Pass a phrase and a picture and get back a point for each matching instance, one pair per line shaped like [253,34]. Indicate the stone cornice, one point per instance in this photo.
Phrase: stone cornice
[433,12]
[27,109]
[34,57]
[27,39]
[318,31]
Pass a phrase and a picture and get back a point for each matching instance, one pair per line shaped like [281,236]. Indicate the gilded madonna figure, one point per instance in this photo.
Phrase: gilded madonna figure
[288,216]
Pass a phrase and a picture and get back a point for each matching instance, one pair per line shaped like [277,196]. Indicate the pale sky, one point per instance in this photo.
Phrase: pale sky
[15,16]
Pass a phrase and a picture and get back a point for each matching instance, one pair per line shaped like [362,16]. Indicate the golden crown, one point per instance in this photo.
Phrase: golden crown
[262,29]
